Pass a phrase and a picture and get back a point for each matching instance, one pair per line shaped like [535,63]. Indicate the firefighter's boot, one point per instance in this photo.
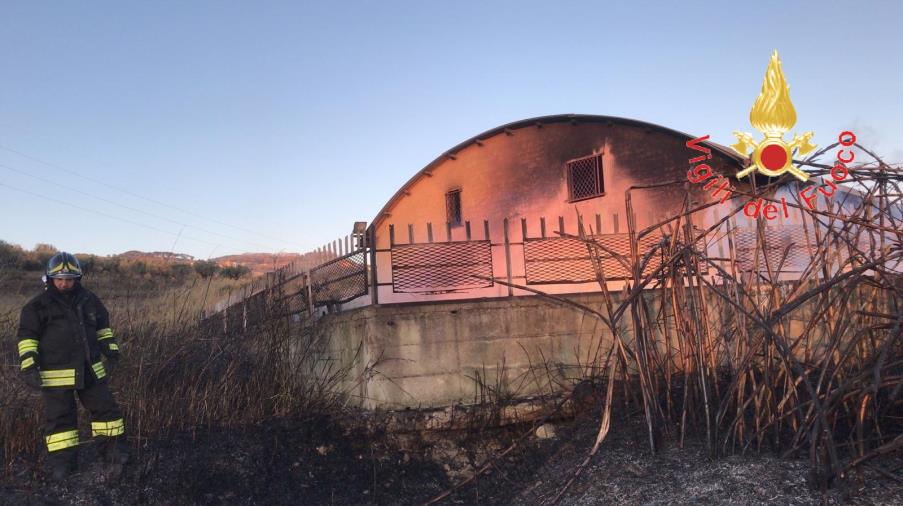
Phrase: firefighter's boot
[115,454]
[61,464]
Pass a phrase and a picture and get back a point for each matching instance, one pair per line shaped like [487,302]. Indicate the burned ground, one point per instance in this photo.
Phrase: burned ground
[310,462]
[318,461]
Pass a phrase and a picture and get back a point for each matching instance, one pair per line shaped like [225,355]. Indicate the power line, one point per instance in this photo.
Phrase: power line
[148,199]
[101,213]
[140,211]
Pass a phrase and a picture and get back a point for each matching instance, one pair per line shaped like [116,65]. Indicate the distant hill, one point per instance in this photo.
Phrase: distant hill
[259,263]
[13,258]
[157,255]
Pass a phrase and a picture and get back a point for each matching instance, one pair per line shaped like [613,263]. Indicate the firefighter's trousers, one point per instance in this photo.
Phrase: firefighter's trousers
[61,416]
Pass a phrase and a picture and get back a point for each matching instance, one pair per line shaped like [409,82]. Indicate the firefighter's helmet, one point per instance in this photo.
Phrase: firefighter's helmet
[64,266]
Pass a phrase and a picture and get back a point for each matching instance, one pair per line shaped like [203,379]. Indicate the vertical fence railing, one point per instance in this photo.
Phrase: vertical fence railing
[335,273]
[425,262]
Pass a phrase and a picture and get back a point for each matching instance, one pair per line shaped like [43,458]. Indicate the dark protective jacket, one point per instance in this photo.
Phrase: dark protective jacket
[63,336]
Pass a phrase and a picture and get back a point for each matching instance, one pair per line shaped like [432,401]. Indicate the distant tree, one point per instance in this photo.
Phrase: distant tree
[180,271]
[107,264]
[139,268]
[45,249]
[206,268]
[33,263]
[36,260]
[11,256]
[235,272]
[88,263]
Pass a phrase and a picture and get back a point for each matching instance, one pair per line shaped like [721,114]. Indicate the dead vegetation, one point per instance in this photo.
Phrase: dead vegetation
[747,359]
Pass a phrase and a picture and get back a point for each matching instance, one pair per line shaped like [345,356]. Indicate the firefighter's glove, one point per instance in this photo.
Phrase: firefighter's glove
[32,378]
[110,349]
[112,362]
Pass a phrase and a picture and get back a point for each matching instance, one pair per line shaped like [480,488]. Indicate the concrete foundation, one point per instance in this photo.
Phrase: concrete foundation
[424,355]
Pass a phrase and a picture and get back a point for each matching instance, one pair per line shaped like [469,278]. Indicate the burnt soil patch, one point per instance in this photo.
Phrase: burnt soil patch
[321,461]
[315,462]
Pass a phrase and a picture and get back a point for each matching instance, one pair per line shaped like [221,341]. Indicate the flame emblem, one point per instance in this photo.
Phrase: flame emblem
[773,115]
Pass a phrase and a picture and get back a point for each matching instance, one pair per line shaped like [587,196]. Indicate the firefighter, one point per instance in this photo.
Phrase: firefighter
[62,335]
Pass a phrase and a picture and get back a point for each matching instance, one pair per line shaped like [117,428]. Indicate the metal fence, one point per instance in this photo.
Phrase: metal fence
[567,260]
[442,266]
[345,271]
[782,250]
[341,280]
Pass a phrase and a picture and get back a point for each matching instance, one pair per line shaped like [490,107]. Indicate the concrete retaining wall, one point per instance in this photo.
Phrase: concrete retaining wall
[438,354]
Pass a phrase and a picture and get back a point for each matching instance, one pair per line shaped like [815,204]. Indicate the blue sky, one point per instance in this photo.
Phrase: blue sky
[212,128]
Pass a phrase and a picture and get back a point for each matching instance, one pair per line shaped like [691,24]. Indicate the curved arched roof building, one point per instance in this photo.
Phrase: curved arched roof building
[538,174]
[475,228]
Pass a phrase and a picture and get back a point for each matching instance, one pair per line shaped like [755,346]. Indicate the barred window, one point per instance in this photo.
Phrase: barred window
[453,207]
[585,178]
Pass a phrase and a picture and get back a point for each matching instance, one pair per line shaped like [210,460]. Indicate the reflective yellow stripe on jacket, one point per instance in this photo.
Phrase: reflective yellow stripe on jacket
[60,378]
[111,428]
[62,440]
[106,333]
[99,371]
[28,362]
[28,345]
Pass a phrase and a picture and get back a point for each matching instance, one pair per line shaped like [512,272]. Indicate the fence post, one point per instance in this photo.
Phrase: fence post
[370,241]
[310,296]
[508,258]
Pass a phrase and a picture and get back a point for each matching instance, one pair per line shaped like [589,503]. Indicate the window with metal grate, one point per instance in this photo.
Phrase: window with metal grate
[585,178]
[453,207]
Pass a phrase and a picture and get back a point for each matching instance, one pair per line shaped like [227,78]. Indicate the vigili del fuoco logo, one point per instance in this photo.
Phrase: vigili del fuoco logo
[773,115]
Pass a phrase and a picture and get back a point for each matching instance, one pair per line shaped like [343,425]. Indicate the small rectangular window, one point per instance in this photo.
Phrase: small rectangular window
[585,178]
[453,207]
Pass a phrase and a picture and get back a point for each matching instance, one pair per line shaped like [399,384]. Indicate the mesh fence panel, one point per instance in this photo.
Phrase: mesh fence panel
[443,266]
[784,247]
[566,260]
[340,280]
